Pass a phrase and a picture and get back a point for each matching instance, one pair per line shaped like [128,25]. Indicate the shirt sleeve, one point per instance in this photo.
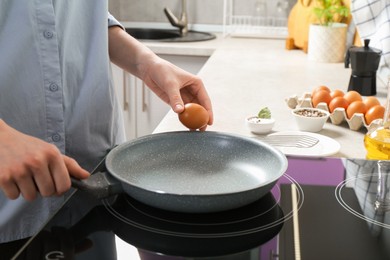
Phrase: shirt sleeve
[112,21]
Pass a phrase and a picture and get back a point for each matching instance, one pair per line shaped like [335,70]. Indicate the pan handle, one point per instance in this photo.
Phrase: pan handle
[100,185]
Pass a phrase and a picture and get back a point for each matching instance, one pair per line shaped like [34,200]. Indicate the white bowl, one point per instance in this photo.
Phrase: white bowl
[259,125]
[310,119]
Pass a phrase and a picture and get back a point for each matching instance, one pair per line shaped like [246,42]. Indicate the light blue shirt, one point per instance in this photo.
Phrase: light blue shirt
[55,85]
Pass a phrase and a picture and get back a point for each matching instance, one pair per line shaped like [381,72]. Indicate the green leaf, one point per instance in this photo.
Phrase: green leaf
[330,11]
[264,113]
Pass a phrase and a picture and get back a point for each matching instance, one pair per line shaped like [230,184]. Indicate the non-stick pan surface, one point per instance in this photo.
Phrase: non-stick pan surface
[196,171]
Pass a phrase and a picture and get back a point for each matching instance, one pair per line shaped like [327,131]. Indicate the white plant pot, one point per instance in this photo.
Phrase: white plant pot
[327,43]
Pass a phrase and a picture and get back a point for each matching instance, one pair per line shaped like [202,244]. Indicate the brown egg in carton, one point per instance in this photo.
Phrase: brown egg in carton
[337,117]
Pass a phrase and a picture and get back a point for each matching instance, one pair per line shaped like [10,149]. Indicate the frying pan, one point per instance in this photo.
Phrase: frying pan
[192,172]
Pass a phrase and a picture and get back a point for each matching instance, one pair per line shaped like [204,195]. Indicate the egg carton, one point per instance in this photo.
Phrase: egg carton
[337,117]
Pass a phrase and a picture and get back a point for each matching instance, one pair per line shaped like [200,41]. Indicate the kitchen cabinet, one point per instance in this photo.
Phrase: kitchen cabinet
[142,110]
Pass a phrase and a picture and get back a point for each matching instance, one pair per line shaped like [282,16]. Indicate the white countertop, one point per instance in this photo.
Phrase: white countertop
[244,75]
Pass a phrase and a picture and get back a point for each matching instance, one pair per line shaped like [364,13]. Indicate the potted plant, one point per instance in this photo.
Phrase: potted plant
[327,37]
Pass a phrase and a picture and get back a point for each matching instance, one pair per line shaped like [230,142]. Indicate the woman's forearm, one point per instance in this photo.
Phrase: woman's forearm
[128,53]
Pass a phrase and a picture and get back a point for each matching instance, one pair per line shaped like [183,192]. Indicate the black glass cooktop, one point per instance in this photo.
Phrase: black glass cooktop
[320,209]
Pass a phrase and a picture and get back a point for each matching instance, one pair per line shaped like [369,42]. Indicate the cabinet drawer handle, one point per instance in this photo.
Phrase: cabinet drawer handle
[144,105]
[273,255]
[125,97]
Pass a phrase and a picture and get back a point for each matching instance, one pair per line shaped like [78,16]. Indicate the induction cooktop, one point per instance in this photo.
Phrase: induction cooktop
[322,208]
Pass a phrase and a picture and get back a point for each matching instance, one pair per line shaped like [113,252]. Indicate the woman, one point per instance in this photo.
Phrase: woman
[58,111]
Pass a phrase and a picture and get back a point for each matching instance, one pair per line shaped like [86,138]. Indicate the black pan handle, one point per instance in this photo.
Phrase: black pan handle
[100,185]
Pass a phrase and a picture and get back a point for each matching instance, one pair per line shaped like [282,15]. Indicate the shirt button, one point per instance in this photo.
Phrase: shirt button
[56,137]
[53,87]
[48,34]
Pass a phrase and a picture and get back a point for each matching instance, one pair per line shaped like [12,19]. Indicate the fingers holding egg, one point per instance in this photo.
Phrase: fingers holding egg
[194,116]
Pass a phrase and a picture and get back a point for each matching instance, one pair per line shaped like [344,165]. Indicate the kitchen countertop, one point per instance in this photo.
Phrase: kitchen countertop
[201,48]
[243,75]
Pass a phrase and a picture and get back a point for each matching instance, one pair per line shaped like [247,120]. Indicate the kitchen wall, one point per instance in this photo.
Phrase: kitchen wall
[199,11]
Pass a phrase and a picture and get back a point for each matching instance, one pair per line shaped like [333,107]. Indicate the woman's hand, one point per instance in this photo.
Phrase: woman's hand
[29,166]
[172,84]
[177,87]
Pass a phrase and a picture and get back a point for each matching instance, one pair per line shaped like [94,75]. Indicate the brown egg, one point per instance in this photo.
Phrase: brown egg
[336,93]
[352,96]
[373,113]
[338,102]
[321,96]
[320,88]
[194,116]
[356,107]
[371,101]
